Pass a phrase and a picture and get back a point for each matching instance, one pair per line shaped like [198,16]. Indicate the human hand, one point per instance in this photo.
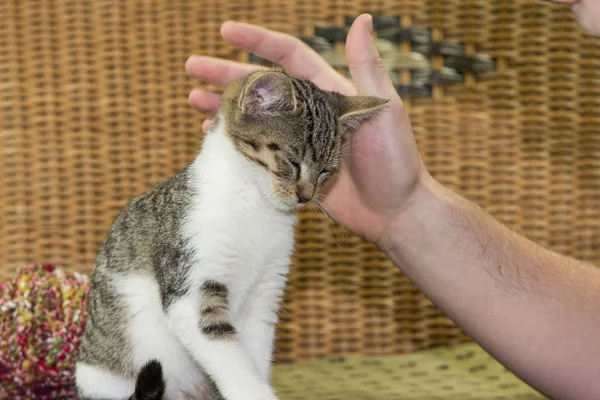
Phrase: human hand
[381,166]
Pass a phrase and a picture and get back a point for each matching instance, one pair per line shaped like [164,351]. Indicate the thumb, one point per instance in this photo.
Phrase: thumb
[206,125]
[368,73]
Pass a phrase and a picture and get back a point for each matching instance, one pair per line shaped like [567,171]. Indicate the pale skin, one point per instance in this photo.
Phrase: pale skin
[536,311]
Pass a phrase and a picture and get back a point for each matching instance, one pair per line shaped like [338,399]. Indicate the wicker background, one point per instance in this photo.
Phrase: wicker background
[93,110]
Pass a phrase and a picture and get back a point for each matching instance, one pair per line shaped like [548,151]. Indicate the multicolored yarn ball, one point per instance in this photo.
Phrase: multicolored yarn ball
[42,315]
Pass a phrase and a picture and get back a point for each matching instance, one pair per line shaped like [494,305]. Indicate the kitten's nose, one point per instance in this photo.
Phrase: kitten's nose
[305,191]
[302,199]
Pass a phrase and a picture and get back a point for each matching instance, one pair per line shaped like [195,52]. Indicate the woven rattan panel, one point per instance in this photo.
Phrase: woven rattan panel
[93,110]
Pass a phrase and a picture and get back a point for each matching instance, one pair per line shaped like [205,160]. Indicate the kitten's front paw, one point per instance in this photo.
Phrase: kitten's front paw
[264,393]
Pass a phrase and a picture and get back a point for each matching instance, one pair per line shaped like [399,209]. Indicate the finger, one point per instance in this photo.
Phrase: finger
[217,71]
[289,52]
[206,125]
[204,101]
[368,73]
[277,47]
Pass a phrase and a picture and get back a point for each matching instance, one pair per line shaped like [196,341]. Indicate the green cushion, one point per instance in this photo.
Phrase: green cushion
[462,372]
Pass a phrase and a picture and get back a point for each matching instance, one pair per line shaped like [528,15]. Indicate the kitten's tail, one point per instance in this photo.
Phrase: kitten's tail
[150,384]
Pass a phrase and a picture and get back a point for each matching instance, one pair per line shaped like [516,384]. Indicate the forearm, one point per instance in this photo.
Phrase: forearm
[536,311]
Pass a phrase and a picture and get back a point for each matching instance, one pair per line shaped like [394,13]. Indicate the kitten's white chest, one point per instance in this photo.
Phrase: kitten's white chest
[238,239]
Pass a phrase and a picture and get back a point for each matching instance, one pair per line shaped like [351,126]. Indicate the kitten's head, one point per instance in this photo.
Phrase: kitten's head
[292,129]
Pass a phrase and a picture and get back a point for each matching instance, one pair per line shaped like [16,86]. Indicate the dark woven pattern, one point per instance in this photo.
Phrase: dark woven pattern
[93,110]
[417,58]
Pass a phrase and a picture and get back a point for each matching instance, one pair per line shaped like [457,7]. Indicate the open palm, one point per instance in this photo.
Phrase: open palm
[381,166]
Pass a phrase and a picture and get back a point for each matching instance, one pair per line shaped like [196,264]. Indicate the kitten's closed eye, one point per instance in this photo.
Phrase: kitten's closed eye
[325,173]
[297,169]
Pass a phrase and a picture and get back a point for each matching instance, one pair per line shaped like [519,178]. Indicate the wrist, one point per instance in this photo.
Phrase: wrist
[425,202]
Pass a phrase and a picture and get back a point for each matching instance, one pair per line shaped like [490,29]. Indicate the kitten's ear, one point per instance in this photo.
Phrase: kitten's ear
[354,110]
[268,93]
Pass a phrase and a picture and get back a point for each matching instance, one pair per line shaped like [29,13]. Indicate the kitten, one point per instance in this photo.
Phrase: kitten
[192,272]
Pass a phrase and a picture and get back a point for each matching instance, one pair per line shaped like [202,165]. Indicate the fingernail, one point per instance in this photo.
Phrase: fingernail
[370,24]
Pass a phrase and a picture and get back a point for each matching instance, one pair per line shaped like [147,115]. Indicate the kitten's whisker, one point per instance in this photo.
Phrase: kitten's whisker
[319,198]
[354,144]
[272,199]
[283,310]
[357,155]
[326,223]
[333,223]
[328,211]
[323,221]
